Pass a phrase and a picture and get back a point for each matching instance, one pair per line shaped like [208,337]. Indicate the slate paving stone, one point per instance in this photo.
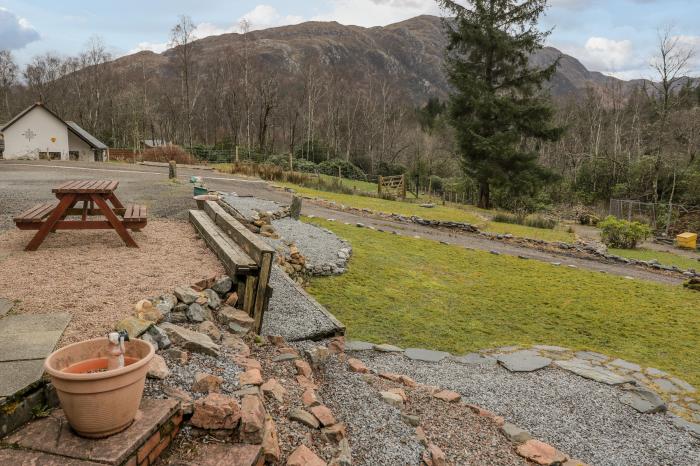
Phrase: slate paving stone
[17,375]
[591,356]
[599,374]
[622,364]
[666,386]
[419,354]
[691,427]
[476,358]
[655,372]
[644,401]
[523,361]
[683,385]
[41,435]
[357,345]
[386,348]
[553,349]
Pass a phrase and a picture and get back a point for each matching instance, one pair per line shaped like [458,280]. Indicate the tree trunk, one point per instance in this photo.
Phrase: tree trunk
[484,195]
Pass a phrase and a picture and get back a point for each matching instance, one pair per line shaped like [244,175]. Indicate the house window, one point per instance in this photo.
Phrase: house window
[73,155]
[54,156]
[43,155]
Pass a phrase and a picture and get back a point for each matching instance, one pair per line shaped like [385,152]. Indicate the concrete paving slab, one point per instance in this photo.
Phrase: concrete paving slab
[53,435]
[24,346]
[5,306]
[419,354]
[30,323]
[17,375]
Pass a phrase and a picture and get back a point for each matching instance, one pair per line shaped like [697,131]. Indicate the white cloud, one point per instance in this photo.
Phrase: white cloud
[377,12]
[609,54]
[260,17]
[266,16]
[15,32]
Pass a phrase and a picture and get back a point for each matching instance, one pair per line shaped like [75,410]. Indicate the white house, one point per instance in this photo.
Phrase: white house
[38,133]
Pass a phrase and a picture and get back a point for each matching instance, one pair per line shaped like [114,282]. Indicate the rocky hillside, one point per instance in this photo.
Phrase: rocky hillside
[409,53]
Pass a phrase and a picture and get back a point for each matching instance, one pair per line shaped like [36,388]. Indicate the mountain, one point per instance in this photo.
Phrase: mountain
[409,53]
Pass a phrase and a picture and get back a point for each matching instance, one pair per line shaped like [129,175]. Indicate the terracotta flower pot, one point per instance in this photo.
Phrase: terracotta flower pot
[96,401]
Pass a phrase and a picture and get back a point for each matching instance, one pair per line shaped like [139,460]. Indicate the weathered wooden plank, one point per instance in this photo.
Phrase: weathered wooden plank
[246,239]
[260,305]
[249,299]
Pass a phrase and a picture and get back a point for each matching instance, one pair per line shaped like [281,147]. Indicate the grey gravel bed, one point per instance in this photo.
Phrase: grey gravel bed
[248,206]
[318,245]
[293,314]
[182,376]
[377,434]
[582,418]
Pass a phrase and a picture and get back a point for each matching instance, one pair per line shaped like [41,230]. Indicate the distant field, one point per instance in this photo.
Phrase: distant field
[419,293]
[665,258]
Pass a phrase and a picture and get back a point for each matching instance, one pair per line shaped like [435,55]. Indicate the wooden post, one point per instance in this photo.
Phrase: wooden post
[172,170]
[295,208]
[237,160]
[379,186]
[403,186]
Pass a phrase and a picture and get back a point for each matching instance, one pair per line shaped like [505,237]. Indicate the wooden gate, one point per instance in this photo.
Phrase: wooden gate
[392,185]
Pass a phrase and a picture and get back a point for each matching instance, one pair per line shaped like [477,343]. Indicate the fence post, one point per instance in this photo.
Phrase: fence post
[172,170]
[237,160]
[379,185]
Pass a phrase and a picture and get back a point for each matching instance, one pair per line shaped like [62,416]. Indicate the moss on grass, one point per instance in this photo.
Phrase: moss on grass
[420,293]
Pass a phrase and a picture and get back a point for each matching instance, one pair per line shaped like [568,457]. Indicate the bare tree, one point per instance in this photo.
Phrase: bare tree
[181,38]
[8,77]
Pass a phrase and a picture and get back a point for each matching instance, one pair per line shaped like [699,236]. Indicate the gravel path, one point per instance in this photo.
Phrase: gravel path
[318,245]
[249,206]
[292,313]
[579,417]
[93,276]
[377,434]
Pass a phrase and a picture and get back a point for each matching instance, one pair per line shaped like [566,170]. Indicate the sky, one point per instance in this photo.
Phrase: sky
[617,37]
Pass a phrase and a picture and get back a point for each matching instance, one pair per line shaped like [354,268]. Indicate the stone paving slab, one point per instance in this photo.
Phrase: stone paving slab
[587,370]
[357,345]
[52,435]
[25,346]
[5,306]
[16,375]
[31,323]
[475,358]
[32,458]
[523,361]
[418,354]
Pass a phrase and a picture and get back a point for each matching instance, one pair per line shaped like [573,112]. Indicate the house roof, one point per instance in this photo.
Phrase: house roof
[89,138]
[73,127]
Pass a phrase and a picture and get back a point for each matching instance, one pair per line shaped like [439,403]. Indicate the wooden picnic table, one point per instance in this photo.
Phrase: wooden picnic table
[98,199]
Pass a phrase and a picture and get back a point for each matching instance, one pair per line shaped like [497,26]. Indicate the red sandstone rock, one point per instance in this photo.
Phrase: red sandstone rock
[273,387]
[303,368]
[206,383]
[216,411]
[448,395]
[390,376]
[357,366]
[270,443]
[540,452]
[303,456]
[323,414]
[250,377]
[252,420]
[334,433]
[309,398]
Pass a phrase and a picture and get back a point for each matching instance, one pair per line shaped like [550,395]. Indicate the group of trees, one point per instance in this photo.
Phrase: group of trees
[500,138]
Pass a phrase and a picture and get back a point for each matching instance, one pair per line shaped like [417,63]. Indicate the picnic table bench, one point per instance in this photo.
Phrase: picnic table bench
[98,200]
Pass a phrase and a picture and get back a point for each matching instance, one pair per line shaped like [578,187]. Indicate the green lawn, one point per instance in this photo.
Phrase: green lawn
[413,292]
[449,212]
[665,258]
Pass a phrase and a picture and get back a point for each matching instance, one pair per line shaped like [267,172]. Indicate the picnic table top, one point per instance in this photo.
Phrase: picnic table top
[86,187]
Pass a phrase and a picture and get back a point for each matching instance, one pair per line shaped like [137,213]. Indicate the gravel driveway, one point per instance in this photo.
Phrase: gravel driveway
[579,417]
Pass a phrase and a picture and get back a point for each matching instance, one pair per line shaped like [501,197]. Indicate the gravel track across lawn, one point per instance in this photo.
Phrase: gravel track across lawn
[582,418]
[318,245]
[249,206]
[292,314]
[376,432]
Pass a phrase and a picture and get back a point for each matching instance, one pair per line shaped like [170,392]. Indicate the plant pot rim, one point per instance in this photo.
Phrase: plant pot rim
[59,374]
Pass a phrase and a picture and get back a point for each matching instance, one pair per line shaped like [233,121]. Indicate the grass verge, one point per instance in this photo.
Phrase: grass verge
[419,293]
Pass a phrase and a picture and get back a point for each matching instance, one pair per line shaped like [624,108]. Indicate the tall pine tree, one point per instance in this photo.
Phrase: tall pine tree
[497,107]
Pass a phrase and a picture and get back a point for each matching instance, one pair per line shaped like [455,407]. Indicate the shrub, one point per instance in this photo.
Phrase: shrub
[436,183]
[346,169]
[535,221]
[168,153]
[623,234]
